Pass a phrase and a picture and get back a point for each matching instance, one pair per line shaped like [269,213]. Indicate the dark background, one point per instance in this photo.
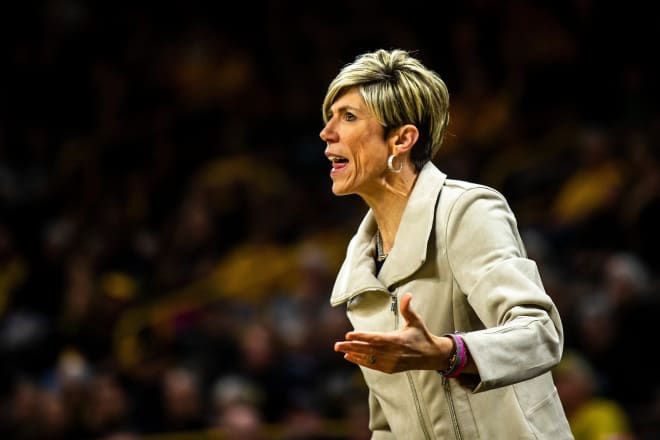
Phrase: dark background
[168,237]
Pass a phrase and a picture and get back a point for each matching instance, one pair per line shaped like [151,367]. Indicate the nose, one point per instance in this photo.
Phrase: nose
[326,133]
[323,134]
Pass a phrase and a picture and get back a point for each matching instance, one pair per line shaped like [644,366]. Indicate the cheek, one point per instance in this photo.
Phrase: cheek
[365,162]
[370,148]
[372,159]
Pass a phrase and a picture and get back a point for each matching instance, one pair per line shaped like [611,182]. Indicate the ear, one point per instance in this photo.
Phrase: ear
[404,138]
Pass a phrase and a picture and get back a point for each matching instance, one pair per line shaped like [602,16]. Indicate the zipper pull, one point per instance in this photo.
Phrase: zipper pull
[394,302]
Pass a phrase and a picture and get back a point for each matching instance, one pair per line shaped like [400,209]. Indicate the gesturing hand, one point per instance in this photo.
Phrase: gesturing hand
[411,348]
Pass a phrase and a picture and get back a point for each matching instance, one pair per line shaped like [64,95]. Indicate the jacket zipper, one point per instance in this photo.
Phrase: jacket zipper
[395,309]
[452,409]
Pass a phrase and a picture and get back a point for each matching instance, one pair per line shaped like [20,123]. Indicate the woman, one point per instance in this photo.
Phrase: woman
[453,330]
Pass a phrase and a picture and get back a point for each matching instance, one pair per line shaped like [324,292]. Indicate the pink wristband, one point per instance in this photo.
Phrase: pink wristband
[461,357]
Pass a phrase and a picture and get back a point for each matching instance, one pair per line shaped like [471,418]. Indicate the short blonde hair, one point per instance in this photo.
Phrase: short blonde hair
[399,90]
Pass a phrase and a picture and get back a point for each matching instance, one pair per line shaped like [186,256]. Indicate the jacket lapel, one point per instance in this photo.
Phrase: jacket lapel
[357,273]
[412,238]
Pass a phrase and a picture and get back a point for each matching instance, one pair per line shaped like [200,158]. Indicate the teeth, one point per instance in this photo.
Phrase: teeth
[334,158]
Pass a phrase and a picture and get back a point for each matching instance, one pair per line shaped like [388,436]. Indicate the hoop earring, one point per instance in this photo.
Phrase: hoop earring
[390,164]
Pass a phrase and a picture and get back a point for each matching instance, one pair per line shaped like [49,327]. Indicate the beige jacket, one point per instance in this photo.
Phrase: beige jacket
[458,251]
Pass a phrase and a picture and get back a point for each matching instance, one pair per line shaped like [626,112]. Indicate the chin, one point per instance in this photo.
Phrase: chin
[338,191]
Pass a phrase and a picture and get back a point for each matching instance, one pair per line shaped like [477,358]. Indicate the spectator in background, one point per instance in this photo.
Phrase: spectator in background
[624,303]
[108,410]
[583,208]
[591,415]
[19,410]
[183,406]
[236,408]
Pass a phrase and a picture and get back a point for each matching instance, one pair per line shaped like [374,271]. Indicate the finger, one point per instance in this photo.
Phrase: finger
[411,317]
[369,337]
[351,358]
[368,361]
[354,347]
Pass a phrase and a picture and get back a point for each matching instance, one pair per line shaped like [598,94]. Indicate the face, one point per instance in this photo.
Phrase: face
[355,146]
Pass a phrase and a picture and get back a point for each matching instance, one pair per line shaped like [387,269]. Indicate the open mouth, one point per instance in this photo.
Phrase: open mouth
[338,162]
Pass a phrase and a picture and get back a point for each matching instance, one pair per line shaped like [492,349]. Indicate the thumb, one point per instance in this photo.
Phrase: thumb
[411,317]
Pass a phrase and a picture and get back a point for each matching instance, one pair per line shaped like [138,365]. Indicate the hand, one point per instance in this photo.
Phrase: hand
[411,348]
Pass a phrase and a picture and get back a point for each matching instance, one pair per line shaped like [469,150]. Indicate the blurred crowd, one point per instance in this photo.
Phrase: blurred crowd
[168,237]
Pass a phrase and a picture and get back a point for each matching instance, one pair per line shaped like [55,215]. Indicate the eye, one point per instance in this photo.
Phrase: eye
[349,116]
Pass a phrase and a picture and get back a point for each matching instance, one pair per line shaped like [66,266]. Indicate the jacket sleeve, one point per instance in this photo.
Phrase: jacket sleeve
[523,337]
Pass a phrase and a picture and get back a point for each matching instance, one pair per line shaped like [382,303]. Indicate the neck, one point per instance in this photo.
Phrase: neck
[388,205]
[388,218]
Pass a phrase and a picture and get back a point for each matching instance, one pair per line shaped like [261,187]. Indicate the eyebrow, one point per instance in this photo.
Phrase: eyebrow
[344,108]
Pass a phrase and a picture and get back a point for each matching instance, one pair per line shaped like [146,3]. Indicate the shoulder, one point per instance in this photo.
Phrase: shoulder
[455,190]
[434,183]
[464,185]
[469,206]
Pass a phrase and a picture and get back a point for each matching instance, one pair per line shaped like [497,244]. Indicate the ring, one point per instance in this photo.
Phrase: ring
[372,359]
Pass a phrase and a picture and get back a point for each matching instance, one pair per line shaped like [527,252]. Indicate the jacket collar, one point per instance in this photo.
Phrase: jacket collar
[357,273]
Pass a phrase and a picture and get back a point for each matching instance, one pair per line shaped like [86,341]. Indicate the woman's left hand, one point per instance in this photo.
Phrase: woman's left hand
[411,348]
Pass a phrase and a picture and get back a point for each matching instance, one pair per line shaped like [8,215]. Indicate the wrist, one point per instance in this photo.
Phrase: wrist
[457,357]
[448,353]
